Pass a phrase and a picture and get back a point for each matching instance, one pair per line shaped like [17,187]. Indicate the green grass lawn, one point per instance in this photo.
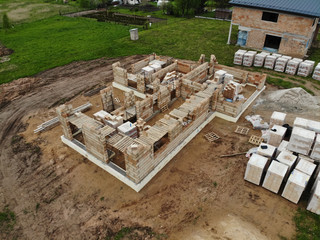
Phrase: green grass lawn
[56,41]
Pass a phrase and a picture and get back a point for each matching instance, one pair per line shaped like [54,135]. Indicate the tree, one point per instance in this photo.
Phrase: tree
[187,7]
[5,22]
[210,4]
[222,4]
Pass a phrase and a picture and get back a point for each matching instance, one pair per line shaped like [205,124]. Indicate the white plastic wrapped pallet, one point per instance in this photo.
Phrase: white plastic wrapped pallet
[277,118]
[270,62]
[276,135]
[306,167]
[301,140]
[314,202]
[255,167]
[275,176]
[316,73]
[304,69]
[260,58]
[295,186]
[287,158]
[266,150]
[315,154]
[238,56]
[281,64]
[292,67]
[248,58]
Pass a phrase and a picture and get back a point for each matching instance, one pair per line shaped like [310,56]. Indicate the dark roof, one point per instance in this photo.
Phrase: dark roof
[301,7]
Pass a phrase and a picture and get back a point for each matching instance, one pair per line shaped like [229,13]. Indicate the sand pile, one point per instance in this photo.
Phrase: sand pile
[291,100]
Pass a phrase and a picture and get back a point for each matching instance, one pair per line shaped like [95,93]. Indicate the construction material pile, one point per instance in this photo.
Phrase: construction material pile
[291,167]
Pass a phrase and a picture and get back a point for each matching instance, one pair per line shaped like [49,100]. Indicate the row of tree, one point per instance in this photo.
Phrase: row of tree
[191,7]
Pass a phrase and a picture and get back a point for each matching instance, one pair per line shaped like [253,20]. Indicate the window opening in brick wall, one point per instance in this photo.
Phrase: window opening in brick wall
[272,42]
[269,16]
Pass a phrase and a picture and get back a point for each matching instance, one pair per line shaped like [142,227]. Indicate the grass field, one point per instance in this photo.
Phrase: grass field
[56,41]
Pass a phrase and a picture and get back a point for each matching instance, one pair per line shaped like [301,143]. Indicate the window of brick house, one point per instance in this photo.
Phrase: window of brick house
[270,17]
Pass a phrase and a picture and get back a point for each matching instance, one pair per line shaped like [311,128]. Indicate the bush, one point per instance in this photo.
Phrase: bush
[5,22]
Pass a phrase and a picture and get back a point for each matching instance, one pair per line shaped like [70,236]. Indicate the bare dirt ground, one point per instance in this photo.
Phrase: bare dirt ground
[57,194]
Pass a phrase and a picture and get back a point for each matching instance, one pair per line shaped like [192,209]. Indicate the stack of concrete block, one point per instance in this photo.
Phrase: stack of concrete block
[255,168]
[282,147]
[155,66]
[219,76]
[277,118]
[301,140]
[306,167]
[295,186]
[275,175]
[287,158]
[128,129]
[276,135]
[270,62]
[163,97]
[115,121]
[248,58]
[316,73]
[314,202]
[307,124]
[305,69]
[238,57]
[107,99]
[292,66]
[315,154]
[260,58]
[120,75]
[281,64]
[266,150]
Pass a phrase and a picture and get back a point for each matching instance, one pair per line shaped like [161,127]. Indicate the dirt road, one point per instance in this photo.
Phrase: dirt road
[57,194]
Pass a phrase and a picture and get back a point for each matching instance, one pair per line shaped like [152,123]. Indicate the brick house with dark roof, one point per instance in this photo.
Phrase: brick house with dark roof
[284,26]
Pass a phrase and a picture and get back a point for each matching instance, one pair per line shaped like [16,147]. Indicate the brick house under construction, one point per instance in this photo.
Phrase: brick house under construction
[287,26]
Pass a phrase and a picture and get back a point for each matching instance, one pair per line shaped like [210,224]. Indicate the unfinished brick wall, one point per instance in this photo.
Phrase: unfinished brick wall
[189,87]
[107,99]
[141,85]
[136,67]
[139,160]
[199,74]
[161,73]
[296,31]
[120,74]
[163,97]
[144,108]
[129,99]
[63,112]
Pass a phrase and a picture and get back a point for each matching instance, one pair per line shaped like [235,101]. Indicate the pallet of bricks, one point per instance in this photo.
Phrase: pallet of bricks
[281,63]
[305,68]
[271,60]
[260,58]
[316,73]
[248,58]
[238,57]
[293,65]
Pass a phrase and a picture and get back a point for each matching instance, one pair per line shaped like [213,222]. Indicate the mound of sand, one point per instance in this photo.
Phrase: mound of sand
[291,100]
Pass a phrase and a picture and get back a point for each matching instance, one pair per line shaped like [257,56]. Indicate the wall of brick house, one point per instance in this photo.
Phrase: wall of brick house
[290,45]
[293,24]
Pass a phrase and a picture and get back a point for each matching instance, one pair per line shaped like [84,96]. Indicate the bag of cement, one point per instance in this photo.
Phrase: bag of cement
[257,122]
[251,151]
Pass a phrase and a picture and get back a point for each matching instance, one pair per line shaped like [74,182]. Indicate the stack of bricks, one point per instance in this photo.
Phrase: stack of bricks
[315,154]
[139,160]
[144,108]
[292,66]
[257,79]
[156,85]
[307,124]
[276,135]
[281,63]
[238,57]
[63,112]
[140,124]
[305,68]
[275,176]
[229,91]
[199,74]
[301,140]
[163,97]
[120,75]
[248,58]
[260,58]
[270,61]
[177,86]
[316,73]
[107,99]
[129,99]
[255,168]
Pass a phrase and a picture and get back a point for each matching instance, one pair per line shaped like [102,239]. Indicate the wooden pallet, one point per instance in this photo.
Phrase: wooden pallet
[255,140]
[211,136]
[164,108]
[242,130]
